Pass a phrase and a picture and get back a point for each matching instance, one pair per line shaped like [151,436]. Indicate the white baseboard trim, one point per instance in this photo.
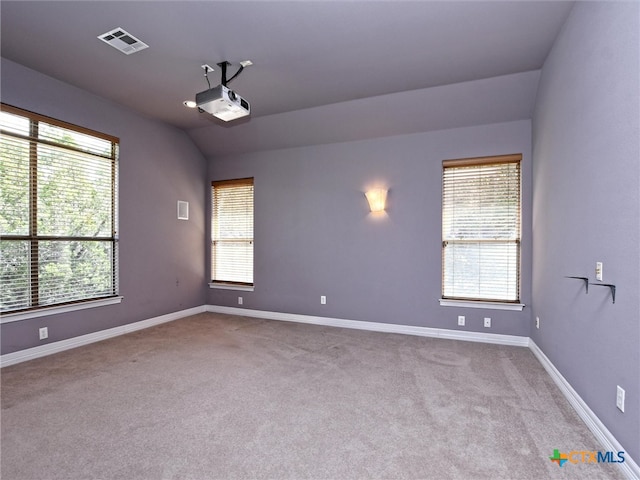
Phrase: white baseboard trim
[376,327]
[629,468]
[62,345]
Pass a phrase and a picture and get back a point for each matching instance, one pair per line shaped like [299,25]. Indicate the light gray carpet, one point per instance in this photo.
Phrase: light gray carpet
[221,397]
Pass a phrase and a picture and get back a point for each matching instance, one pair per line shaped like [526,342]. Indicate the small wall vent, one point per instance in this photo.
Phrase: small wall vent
[183,210]
[123,41]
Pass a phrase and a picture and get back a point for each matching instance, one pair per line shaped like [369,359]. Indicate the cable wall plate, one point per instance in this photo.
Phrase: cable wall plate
[183,210]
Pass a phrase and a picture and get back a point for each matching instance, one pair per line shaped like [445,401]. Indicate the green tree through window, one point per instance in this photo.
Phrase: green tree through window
[57,212]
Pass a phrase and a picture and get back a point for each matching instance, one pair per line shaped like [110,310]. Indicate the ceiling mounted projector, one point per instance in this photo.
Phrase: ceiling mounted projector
[221,101]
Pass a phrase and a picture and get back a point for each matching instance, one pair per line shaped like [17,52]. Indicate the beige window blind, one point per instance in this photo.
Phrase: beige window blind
[232,232]
[481,210]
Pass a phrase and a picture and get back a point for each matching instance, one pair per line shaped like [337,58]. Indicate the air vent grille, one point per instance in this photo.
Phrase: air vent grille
[122,40]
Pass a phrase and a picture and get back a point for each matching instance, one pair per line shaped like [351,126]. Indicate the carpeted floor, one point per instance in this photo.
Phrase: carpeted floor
[222,397]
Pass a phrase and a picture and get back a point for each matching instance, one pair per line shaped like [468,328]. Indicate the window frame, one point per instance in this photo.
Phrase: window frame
[35,306]
[230,284]
[474,301]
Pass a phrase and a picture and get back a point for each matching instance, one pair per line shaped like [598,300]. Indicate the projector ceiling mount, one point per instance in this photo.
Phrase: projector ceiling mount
[220,101]
[223,66]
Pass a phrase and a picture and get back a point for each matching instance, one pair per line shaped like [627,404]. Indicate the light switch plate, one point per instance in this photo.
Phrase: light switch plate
[599,271]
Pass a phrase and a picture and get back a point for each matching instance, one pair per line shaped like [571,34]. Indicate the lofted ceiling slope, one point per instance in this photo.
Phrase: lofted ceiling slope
[323,71]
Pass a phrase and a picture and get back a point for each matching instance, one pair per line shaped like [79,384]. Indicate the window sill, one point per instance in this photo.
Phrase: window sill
[56,309]
[480,304]
[229,286]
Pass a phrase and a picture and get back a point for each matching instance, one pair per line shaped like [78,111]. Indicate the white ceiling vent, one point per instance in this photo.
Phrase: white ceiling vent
[123,41]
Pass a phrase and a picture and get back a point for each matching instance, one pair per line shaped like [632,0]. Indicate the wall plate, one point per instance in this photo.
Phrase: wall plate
[183,210]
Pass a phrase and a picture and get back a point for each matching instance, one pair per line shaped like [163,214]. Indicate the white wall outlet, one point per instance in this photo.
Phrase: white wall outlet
[537,322]
[323,300]
[461,320]
[44,333]
[620,398]
[599,271]
[487,322]
[240,300]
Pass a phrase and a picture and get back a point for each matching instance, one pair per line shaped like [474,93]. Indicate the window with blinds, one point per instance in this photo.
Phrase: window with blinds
[481,229]
[58,241]
[232,232]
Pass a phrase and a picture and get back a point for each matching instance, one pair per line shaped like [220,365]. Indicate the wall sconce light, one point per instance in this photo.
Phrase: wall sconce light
[377,198]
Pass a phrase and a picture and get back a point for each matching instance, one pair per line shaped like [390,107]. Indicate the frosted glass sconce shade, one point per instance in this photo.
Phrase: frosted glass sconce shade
[377,198]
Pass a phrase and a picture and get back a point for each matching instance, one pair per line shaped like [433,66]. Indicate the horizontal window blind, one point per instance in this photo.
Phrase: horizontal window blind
[232,231]
[57,212]
[481,229]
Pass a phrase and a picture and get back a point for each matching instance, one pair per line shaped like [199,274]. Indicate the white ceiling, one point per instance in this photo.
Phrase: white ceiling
[308,56]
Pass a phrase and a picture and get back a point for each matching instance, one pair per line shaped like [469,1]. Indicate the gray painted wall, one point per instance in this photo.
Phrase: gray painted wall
[314,234]
[159,165]
[586,156]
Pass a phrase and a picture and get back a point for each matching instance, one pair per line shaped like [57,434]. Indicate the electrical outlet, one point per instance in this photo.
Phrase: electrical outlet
[537,322]
[620,398]
[44,333]
[323,300]
[487,322]
[461,320]
[240,300]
